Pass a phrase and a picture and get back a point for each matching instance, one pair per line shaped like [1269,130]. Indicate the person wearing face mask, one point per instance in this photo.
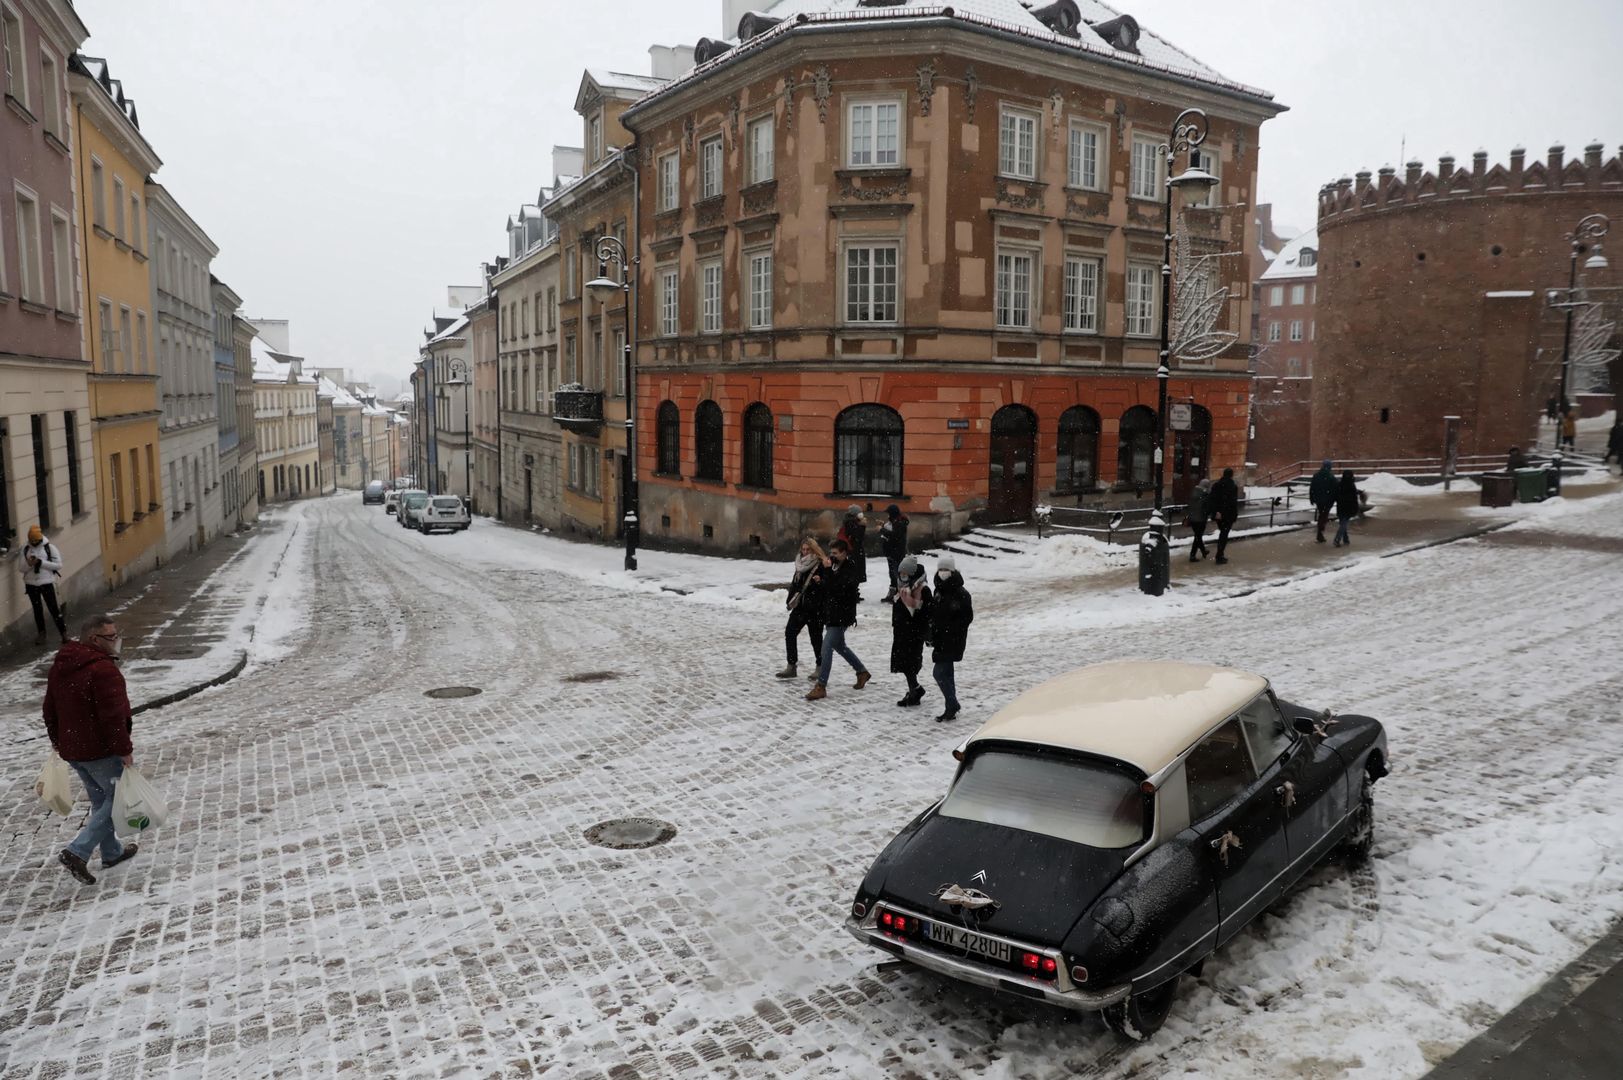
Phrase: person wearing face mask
[950,617]
[805,603]
[909,627]
[87,717]
[839,583]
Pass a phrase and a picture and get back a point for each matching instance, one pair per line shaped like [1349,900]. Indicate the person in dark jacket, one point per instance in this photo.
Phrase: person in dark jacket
[1196,515]
[839,584]
[1347,506]
[805,604]
[909,627]
[1225,509]
[1614,444]
[87,718]
[893,542]
[1322,494]
[854,531]
[1515,459]
[950,617]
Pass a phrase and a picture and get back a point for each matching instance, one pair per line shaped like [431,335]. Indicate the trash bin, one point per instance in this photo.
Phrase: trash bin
[1530,485]
[1154,558]
[1498,489]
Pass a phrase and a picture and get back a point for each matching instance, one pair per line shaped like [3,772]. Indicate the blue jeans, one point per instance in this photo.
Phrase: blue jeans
[99,777]
[1341,530]
[834,642]
[949,686]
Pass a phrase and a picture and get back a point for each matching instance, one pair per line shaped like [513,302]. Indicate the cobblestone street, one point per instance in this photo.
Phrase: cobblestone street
[363,881]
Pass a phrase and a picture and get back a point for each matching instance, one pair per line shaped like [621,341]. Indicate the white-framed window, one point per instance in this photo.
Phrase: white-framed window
[1296,329]
[570,374]
[1307,258]
[1293,367]
[1016,282]
[141,342]
[119,222]
[11,40]
[1208,160]
[1146,180]
[1298,294]
[619,361]
[594,137]
[873,133]
[762,147]
[1142,280]
[126,343]
[1276,296]
[668,311]
[1273,331]
[62,260]
[50,83]
[1017,143]
[30,255]
[1085,164]
[98,193]
[760,289]
[109,336]
[871,292]
[135,233]
[1082,294]
[710,298]
[710,168]
[669,177]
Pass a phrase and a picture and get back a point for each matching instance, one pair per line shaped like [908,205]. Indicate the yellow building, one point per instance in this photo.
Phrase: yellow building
[285,426]
[113,162]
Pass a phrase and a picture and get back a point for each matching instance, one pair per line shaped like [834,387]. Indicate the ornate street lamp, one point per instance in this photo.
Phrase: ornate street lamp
[1588,232]
[604,288]
[459,377]
[1190,187]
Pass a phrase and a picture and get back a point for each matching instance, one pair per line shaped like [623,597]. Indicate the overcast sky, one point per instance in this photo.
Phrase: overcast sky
[353,158]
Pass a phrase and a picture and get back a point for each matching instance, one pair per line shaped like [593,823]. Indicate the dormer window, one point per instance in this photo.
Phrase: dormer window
[1309,257]
[594,137]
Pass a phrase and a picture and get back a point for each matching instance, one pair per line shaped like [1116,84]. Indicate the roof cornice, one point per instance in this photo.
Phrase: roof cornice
[61,23]
[113,124]
[531,260]
[157,193]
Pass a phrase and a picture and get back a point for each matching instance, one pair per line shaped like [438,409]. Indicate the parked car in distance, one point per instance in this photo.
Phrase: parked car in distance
[391,501]
[1111,828]
[410,503]
[405,483]
[373,493]
[443,512]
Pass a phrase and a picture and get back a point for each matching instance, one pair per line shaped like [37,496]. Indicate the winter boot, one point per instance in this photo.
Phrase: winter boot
[788,672]
[76,867]
[816,693]
[127,854]
[947,714]
[862,680]
[912,697]
[39,638]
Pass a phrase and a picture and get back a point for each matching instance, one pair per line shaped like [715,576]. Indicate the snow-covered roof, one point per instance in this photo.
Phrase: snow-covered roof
[341,398]
[1006,16]
[1288,263]
[460,324]
[268,367]
[620,80]
[1143,712]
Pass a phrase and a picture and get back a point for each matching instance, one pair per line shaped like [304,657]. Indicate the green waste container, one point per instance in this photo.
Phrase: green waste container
[1531,485]
[1498,489]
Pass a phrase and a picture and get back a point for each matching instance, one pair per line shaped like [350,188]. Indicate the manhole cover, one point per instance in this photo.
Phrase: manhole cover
[592,676]
[452,691]
[631,832]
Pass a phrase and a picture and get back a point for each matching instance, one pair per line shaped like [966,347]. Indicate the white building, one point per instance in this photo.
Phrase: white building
[448,355]
[189,433]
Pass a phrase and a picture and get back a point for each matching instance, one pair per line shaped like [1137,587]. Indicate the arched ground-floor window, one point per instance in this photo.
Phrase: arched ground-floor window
[668,431]
[1135,449]
[758,446]
[1076,464]
[868,451]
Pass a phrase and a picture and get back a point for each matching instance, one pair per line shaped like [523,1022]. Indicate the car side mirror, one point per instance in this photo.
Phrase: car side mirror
[1304,725]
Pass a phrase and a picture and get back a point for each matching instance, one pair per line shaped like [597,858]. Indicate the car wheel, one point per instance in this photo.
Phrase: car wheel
[1141,1016]
[1361,837]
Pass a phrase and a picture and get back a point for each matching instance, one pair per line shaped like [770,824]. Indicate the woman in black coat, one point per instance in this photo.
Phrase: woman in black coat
[950,617]
[1346,506]
[805,604]
[909,627]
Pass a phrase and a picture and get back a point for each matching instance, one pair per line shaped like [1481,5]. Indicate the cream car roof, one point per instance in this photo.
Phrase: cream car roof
[1143,712]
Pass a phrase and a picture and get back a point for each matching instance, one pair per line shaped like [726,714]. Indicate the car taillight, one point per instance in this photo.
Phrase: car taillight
[1038,964]
[859,909]
[897,924]
[1079,974]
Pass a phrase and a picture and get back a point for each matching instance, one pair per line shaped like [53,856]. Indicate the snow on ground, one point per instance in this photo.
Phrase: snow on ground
[362,881]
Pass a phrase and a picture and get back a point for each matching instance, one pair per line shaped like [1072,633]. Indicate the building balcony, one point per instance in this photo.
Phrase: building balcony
[578,409]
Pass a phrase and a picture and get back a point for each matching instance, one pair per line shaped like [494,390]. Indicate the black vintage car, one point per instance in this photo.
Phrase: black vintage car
[1109,829]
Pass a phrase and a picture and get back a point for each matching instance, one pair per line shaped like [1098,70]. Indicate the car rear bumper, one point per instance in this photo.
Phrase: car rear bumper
[971,972]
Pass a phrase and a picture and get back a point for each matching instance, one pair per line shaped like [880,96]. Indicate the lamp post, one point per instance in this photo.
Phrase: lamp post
[1188,132]
[1588,231]
[604,288]
[459,377]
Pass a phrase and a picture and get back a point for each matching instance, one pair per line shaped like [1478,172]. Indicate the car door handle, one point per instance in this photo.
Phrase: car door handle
[1287,794]
[1223,843]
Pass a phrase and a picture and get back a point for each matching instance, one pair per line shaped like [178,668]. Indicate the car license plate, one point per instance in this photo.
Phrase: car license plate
[969,941]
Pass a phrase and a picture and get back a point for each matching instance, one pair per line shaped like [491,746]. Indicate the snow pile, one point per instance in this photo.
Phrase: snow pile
[1080,555]
[1388,484]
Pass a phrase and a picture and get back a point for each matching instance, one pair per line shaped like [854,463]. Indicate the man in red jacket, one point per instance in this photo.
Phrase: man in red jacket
[87,716]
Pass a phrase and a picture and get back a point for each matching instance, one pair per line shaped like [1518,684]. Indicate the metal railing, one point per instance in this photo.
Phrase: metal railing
[1432,467]
[1290,510]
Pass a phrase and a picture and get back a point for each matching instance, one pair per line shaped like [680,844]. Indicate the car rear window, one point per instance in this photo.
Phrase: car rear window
[448,503]
[1061,797]
[415,501]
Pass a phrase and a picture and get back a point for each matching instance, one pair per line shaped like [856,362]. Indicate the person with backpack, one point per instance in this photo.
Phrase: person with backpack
[42,566]
[1347,506]
[854,531]
[893,542]
[950,616]
[839,584]
[805,604]
[1225,509]
[909,628]
[1196,516]
[1322,494]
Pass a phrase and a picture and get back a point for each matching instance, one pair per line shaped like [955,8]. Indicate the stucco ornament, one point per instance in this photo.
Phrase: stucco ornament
[687,133]
[1197,302]
[1057,100]
[926,86]
[733,108]
[822,90]
[972,89]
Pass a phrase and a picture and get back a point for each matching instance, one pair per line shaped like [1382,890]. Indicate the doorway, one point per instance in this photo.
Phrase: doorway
[1191,451]
[1011,481]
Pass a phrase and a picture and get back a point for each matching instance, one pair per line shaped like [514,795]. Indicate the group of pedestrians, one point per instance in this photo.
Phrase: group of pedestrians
[1340,497]
[826,589]
[1218,504]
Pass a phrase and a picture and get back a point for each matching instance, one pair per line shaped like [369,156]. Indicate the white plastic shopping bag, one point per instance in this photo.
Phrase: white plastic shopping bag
[55,785]
[137,804]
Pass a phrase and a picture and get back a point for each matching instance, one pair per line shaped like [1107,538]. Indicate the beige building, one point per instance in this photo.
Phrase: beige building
[285,425]
[248,498]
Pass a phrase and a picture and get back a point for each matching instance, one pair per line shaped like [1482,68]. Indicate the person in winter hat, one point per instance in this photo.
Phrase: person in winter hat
[87,717]
[1196,518]
[950,616]
[854,531]
[910,627]
[1347,506]
[805,603]
[1322,494]
[41,566]
[1225,510]
[838,582]
[893,542]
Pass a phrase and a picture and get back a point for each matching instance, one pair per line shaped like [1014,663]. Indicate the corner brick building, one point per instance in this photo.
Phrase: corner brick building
[1432,300]
[911,254]
[1286,337]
